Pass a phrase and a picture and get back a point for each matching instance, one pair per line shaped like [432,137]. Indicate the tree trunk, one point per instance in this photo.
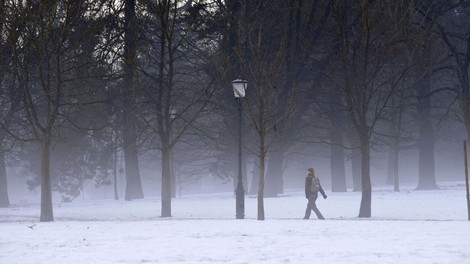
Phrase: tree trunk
[366,201]
[274,173]
[465,101]
[166,181]
[338,172]
[133,181]
[390,166]
[172,130]
[427,177]
[46,191]
[172,174]
[245,172]
[261,180]
[4,201]
[396,152]
[115,169]
[255,179]
[393,164]
[356,169]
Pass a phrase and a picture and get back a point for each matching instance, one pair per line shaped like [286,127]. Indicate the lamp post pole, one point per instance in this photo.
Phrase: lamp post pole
[240,192]
[239,87]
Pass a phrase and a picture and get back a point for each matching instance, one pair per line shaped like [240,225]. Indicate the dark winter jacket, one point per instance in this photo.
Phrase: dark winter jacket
[308,186]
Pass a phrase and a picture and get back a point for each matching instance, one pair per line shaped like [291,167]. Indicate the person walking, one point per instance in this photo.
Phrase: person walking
[312,187]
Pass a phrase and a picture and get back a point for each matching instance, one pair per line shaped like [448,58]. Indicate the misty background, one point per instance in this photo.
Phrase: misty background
[133,99]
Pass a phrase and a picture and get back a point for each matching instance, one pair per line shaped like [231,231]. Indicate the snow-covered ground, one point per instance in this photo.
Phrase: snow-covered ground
[406,227]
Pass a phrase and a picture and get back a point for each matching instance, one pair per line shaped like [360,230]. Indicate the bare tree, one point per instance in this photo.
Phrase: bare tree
[303,28]
[6,113]
[261,57]
[432,14]
[43,84]
[129,135]
[371,36]
[454,28]
[44,60]
[175,95]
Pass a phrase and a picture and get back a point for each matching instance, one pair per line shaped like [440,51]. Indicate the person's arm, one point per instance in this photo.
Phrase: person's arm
[308,183]
[321,190]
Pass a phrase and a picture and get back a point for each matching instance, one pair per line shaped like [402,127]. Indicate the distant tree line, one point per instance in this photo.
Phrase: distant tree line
[82,80]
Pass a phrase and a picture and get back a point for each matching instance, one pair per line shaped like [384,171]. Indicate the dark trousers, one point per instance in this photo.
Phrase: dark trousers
[311,206]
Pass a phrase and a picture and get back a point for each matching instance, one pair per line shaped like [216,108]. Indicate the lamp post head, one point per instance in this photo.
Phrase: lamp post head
[239,87]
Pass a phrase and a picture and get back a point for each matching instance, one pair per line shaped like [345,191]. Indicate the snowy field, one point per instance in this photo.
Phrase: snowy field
[406,227]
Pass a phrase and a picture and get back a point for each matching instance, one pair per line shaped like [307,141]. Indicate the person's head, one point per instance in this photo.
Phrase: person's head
[310,171]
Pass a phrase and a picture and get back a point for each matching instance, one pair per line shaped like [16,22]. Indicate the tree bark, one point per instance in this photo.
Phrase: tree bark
[262,158]
[390,168]
[356,169]
[338,172]
[166,181]
[366,200]
[427,177]
[172,173]
[115,169]
[133,181]
[274,173]
[46,190]
[396,155]
[245,172]
[393,164]
[255,179]
[394,151]
[4,200]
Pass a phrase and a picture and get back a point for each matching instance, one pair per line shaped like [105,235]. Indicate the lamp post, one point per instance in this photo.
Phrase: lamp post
[239,87]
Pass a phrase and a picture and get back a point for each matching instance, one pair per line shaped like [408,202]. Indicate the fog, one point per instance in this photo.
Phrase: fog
[145,131]
[449,166]
[100,101]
